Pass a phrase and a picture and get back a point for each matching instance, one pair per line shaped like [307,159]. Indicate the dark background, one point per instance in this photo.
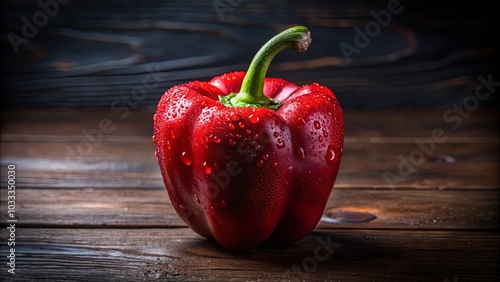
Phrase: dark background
[92,53]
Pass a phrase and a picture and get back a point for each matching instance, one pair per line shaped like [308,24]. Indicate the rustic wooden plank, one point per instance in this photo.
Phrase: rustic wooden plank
[472,176]
[377,145]
[349,179]
[364,176]
[394,209]
[395,126]
[180,255]
[131,163]
[66,123]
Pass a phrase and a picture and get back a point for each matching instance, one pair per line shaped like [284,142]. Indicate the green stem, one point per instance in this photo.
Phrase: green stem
[252,88]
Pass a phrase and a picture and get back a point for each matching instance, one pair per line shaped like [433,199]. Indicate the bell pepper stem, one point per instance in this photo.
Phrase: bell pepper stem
[252,88]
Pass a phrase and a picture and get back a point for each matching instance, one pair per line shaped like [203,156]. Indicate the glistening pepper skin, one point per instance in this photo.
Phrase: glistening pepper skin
[245,175]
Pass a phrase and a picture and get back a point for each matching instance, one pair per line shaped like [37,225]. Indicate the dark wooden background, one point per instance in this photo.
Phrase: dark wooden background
[91,53]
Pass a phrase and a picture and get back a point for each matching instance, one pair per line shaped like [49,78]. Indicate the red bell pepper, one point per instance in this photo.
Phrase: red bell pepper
[248,159]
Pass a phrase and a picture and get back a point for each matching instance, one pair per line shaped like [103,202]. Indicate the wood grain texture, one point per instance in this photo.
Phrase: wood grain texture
[93,53]
[378,149]
[180,255]
[396,126]
[394,209]
[365,165]
[104,215]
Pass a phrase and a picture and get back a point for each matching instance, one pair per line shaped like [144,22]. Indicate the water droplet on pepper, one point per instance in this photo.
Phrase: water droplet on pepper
[301,153]
[186,159]
[317,125]
[234,117]
[280,144]
[330,155]
[253,119]
[206,168]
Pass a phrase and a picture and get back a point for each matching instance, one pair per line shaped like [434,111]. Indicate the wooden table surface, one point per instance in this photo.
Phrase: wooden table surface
[94,208]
